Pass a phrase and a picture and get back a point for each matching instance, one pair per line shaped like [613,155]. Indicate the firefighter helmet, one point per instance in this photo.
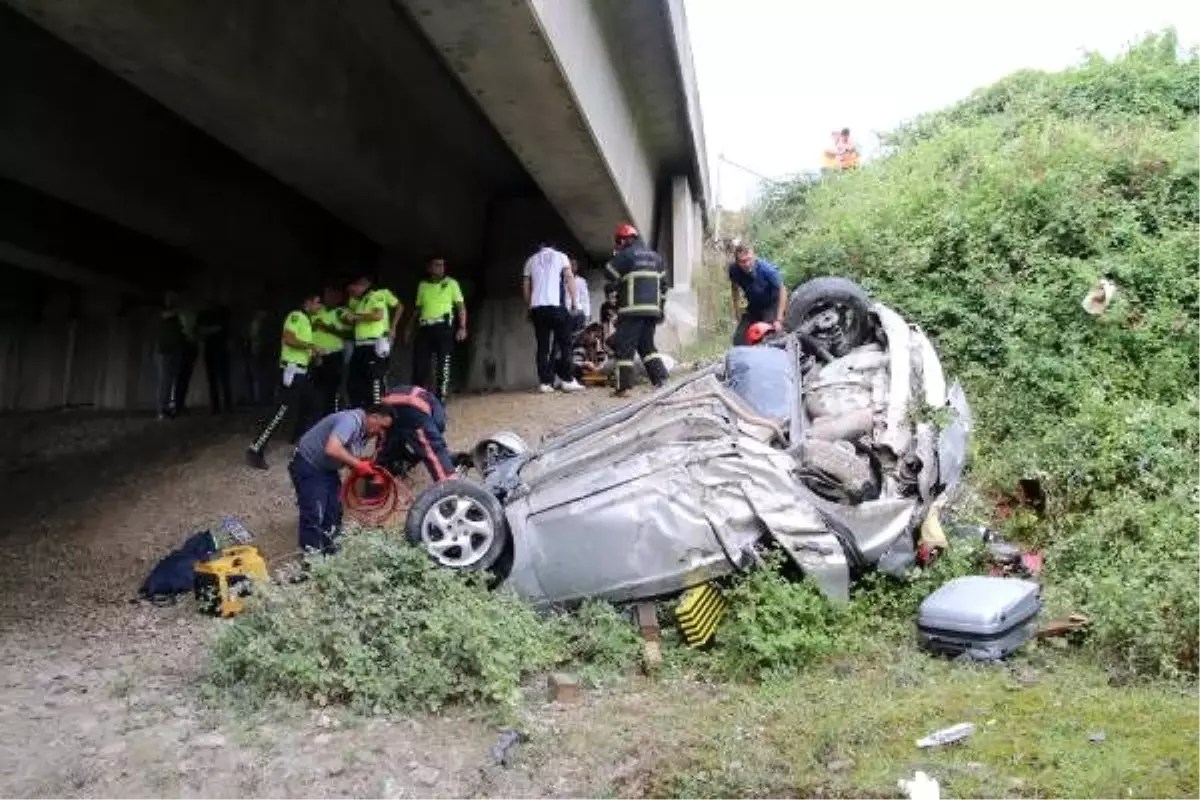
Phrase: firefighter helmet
[624,231]
[757,332]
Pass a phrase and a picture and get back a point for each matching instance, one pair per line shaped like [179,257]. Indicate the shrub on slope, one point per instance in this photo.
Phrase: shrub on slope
[986,223]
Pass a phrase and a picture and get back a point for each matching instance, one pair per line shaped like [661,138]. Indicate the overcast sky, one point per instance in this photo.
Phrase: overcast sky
[776,76]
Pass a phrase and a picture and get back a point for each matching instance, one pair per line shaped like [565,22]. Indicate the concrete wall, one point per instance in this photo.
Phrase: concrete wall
[681,323]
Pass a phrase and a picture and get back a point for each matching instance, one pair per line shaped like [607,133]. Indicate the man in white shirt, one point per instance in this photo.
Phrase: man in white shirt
[549,290]
[582,310]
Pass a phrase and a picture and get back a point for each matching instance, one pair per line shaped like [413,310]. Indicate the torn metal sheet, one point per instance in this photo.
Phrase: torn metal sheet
[695,481]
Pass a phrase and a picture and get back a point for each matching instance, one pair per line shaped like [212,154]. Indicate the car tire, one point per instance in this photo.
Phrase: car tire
[817,294]
[837,474]
[460,524]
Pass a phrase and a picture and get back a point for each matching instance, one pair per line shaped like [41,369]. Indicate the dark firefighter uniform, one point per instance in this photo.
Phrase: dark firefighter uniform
[372,346]
[641,278]
[329,334]
[296,388]
[418,431]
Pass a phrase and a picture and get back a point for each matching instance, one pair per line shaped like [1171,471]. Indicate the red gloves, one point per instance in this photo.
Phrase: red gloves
[363,469]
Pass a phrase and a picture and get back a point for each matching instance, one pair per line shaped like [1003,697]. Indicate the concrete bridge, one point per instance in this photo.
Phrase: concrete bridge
[244,146]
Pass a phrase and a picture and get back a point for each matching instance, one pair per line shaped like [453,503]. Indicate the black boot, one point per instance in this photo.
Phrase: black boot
[256,459]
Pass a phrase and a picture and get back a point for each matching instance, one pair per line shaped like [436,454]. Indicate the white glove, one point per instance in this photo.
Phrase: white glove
[921,787]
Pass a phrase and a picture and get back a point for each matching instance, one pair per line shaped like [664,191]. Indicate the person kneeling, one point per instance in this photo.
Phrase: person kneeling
[419,433]
[336,441]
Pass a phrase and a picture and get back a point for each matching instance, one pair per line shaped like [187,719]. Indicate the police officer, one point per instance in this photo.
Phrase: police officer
[374,314]
[418,431]
[439,305]
[329,335]
[641,279]
[296,354]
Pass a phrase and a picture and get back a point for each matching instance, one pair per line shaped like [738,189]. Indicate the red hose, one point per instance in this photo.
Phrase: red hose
[383,507]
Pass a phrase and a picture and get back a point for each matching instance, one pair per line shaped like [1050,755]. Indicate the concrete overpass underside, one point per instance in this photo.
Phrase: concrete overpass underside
[261,147]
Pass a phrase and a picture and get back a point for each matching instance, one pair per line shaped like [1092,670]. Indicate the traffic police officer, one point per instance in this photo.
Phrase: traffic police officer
[296,353]
[373,313]
[329,335]
[641,278]
[439,302]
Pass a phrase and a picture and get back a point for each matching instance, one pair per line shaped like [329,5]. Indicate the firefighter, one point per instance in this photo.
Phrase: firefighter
[374,314]
[641,279]
[418,431]
[439,306]
[329,334]
[296,355]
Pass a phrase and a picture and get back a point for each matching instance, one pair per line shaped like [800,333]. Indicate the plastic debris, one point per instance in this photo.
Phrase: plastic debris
[1097,738]
[236,531]
[955,733]
[502,750]
[921,787]
[1098,298]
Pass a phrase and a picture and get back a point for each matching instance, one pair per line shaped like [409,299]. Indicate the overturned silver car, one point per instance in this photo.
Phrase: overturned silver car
[831,442]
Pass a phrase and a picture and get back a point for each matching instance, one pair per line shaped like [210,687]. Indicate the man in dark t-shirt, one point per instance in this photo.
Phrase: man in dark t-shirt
[762,286]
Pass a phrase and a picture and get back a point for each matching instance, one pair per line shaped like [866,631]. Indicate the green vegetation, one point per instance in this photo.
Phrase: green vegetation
[987,223]
[379,626]
[848,729]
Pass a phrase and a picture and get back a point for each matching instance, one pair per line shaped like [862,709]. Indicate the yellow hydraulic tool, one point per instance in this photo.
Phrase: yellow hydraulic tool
[222,582]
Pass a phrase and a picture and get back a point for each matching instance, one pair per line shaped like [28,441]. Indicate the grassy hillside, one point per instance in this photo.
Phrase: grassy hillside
[987,223]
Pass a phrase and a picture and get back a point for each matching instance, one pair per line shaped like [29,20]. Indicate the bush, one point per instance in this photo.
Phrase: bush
[379,625]
[777,625]
[986,223]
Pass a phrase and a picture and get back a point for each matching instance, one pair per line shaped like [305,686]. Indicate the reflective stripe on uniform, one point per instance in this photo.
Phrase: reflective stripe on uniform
[431,455]
[652,357]
[411,399]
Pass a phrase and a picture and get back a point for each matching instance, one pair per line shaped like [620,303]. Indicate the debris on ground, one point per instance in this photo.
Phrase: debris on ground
[502,750]
[1099,297]
[1097,738]
[647,620]
[1064,627]
[921,787]
[955,733]
[563,688]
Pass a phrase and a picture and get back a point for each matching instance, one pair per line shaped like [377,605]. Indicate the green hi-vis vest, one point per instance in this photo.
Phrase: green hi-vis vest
[298,323]
[374,300]
[324,340]
[436,299]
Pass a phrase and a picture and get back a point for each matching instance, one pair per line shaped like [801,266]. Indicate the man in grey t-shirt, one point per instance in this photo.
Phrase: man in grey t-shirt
[336,441]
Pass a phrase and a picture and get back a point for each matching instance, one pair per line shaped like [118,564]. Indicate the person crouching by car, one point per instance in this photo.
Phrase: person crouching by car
[590,357]
[419,431]
[762,286]
[335,441]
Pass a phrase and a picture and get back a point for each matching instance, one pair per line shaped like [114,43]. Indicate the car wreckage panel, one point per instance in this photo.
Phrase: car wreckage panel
[687,484]
[665,502]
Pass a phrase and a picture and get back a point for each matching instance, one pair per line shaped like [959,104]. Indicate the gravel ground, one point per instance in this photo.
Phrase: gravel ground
[97,692]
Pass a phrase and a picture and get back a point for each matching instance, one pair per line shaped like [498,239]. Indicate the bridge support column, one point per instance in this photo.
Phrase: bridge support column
[682,322]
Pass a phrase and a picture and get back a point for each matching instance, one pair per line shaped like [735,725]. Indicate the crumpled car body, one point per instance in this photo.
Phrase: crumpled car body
[828,460]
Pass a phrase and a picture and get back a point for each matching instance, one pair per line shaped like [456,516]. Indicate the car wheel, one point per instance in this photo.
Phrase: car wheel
[460,524]
[833,311]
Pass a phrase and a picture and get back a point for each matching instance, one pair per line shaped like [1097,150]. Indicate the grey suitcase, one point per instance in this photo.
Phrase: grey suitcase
[981,617]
